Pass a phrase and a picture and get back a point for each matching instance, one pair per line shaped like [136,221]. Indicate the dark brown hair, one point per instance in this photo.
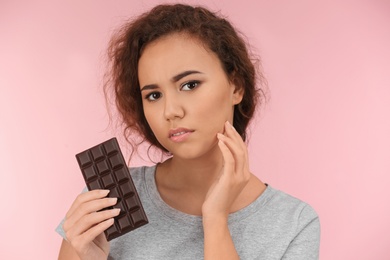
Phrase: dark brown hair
[215,32]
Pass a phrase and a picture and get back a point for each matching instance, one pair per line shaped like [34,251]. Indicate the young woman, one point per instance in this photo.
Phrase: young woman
[184,82]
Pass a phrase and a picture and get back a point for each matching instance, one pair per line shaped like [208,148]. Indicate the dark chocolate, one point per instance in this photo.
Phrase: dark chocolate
[103,167]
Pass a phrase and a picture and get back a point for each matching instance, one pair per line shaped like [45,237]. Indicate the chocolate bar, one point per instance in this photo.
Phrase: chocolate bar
[103,167]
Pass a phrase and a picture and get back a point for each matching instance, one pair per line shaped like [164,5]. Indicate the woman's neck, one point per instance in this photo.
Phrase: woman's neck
[195,174]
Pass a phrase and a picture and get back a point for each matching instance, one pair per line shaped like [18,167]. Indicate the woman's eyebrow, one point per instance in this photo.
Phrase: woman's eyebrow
[183,74]
[174,79]
[151,86]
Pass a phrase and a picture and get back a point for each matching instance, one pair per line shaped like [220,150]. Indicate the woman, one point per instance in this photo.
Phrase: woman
[183,81]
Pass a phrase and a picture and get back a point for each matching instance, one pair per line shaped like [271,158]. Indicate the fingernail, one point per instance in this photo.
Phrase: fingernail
[116,211]
[113,200]
[105,192]
[231,125]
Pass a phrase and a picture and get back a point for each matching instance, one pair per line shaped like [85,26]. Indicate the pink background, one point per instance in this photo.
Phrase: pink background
[324,136]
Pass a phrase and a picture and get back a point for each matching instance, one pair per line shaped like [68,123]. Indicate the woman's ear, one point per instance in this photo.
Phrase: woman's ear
[238,89]
[238,94]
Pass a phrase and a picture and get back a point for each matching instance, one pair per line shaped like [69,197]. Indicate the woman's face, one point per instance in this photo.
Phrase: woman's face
[186,95]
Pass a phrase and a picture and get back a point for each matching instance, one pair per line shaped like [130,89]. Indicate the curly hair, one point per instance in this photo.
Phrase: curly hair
[215,32]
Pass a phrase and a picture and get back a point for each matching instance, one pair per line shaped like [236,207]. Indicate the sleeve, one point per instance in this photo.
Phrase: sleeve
[305,245]
[60,230]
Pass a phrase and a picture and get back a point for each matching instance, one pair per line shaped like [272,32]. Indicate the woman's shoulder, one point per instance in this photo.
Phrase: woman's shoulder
[140,174]
[285,205]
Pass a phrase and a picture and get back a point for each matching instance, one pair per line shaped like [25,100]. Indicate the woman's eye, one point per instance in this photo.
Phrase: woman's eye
[189,85]
[153,96]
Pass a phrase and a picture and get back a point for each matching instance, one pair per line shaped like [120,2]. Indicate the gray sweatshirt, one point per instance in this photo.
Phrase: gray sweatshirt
[275,226]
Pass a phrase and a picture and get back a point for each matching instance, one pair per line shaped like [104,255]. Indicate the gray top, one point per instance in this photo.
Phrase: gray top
[275,226]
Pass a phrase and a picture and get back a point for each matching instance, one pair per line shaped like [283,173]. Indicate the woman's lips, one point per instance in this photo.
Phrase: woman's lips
[179,134]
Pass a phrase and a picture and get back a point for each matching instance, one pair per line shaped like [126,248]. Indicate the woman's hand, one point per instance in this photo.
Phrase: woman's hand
[234,176]
[84,224]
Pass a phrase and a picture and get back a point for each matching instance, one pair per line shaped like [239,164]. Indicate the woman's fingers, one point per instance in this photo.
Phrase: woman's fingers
[232,133]
[85,197]
[87,208]
[228,158]
[98,229]
[237,148]
[90,221]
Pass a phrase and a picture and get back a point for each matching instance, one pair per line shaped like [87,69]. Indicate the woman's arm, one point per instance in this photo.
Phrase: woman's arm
[218,243]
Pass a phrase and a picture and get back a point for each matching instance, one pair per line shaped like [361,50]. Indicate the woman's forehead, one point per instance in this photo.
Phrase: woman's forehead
[174,53]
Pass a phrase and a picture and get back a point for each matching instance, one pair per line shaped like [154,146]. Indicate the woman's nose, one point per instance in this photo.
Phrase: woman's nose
[173,107]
